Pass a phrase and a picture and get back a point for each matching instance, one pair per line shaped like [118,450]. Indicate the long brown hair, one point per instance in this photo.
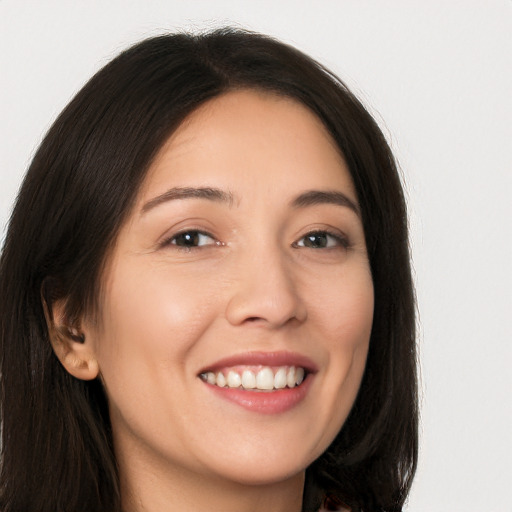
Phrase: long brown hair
[57,452]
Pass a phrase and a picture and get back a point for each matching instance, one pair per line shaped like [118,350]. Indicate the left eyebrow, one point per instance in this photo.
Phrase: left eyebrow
[209,193]
[315,197]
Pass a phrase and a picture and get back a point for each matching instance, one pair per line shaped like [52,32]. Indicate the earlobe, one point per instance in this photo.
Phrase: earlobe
[71,346]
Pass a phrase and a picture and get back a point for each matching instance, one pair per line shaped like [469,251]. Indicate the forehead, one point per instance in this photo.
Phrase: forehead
[247,137]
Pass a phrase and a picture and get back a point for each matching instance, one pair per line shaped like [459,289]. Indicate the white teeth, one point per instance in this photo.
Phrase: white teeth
[248,380]
[221,380]
[290,377]
[265,379]
[234,380]
[280,378]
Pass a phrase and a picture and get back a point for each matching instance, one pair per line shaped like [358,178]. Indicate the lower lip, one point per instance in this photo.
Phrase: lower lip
[266,402]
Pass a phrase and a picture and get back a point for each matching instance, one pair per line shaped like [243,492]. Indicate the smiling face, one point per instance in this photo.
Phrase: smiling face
[242,265]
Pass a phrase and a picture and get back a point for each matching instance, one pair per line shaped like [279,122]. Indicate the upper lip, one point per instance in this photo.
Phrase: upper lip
[280,358]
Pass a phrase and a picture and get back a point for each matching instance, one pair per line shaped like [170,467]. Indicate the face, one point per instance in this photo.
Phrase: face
[238,300]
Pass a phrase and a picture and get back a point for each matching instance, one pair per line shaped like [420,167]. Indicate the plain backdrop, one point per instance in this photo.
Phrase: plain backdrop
[436,74]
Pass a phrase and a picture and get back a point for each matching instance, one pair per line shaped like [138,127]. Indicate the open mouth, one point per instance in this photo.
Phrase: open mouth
[262,378]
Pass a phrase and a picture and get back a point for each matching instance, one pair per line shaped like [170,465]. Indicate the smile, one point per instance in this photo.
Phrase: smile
[261,382]
[265,378]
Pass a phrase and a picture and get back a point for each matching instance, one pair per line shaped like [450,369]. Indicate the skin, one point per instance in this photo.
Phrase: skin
[253,284]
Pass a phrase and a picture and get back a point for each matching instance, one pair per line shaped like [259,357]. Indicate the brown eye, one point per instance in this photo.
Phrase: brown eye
[321,240]
[192,238]
[316,241]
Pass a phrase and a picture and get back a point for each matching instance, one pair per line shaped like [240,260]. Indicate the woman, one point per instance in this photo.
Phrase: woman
[207,293]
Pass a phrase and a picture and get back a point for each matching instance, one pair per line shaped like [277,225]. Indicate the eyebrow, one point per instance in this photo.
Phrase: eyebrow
[209,193]
[316,197]
[309,198]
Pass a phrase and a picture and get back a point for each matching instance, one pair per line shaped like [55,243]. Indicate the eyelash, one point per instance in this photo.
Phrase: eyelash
[340,240]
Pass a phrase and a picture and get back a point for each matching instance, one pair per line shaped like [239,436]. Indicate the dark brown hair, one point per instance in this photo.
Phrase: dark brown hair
[57,452]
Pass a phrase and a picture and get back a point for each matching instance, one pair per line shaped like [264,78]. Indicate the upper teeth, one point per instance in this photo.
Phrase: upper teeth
[264,379]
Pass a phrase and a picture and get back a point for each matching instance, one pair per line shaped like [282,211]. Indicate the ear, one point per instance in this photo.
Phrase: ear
[73,348]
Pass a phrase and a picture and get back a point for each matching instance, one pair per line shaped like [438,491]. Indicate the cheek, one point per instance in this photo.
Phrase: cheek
[343,309]
[151,322]
[350,328]
[343,316]
[151,328]
[166,306]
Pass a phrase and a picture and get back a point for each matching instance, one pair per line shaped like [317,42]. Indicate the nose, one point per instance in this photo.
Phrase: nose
[265,292]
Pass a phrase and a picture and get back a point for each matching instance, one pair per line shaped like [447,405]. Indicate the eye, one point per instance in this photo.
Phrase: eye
[190,239]
[322,240]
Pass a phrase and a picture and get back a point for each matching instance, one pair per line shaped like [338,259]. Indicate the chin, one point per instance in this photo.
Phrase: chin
[264,468]
[264,476]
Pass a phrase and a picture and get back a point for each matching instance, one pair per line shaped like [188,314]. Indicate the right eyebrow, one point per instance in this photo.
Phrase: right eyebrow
[314,197]
[209,193]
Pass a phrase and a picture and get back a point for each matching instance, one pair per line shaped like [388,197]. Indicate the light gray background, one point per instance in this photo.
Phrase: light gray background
[437,76]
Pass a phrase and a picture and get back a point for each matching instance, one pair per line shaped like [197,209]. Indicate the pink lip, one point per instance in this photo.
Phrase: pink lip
[266,402]
[281,358]
[271,402]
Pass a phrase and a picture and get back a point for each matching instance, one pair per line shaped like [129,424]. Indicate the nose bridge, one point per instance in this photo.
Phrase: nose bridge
[265,289]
